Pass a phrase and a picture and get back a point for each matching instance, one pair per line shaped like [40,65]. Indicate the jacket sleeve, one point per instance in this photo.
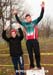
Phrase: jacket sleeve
[20,34]
[18,20]
[40,17]
[4,36]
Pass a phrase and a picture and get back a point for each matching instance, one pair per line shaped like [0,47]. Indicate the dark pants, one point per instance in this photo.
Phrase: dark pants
[16,61]
[33,44]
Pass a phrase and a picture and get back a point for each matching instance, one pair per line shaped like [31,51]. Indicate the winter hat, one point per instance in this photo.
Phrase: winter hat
[13,30]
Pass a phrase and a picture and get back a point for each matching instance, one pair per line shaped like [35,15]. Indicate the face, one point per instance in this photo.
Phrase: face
[13,34]
[28,19]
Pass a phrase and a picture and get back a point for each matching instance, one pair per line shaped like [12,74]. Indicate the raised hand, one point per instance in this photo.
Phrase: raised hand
[43,4]
[14,11]
[7,25]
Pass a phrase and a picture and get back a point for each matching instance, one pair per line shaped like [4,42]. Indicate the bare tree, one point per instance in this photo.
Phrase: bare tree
[48,26]
[45,27]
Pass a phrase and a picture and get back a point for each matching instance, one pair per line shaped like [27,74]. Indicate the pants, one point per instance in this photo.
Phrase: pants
[33,44]
[16,61]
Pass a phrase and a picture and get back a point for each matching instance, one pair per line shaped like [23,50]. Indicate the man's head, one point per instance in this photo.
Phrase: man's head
[28,18]
[13,33]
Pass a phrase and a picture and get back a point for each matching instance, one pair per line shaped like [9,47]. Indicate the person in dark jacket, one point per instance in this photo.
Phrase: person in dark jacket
[15,48]
[31,41]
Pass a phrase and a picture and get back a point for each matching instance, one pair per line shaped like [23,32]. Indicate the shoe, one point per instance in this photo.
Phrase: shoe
[39,68]
[31,67]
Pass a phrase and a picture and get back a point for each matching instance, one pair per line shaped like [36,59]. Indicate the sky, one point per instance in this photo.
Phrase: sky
[35,8]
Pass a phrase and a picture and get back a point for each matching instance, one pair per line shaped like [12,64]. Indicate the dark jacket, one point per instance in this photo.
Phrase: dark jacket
[14,43]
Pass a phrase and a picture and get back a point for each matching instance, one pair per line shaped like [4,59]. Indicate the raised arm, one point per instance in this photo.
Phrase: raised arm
[14,12]
[41,14]
[4,34]
[20,36]
[18,20]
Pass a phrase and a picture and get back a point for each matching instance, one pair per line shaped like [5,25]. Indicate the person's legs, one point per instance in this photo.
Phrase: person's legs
[37,52]
[30,52]
[15,63]
[21,64]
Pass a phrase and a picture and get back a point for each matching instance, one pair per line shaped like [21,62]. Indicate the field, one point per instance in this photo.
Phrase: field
[46,48]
